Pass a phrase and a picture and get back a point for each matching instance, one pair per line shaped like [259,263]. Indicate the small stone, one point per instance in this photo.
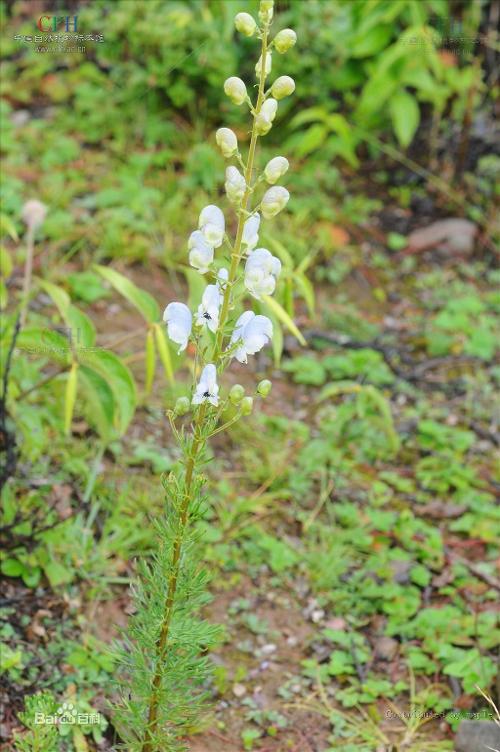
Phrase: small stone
[268,649]
[450,236]
[239,690]
[317,615]
[385,648]
[477,736]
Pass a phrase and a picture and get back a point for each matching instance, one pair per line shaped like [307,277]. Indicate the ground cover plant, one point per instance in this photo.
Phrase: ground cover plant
[347,526]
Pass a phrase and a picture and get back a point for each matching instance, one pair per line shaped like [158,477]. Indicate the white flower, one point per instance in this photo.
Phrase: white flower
[261,272]
[245,23]
[208,310]
[33,213]
[251,332]
[250,236]
[275,169]
[179,321]
[207,388]
[235,89]
[264,119]
[201,253]
[267,65]
[283,87]
[274,200]
[235,185]
[266,11]
[284,40]
[227,141]
[212,225]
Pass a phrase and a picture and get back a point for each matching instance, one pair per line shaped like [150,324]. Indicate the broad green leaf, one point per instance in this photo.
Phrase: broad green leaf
[309,115]
[99,403]
[368,42]
[58,295]
[140,299]
[82,328]
[164,352]
[312,139]
[405,115]
[120,380]
[5,262]
[45,342]
[70,397]
[279,249]
[150,360]
[283,316]
[8,226]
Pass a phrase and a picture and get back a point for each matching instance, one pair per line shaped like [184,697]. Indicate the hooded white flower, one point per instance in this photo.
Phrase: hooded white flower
[227,141]
[274,200]
[284,40]
[212,225]
[207,388]
[179,321]
[267,65]
[252,333]
[250,236]
[283,87]
[235,185]
[201,253]
[208,310]
[245,23]
[275,169]
[235,89]
[261,271]
[264,119]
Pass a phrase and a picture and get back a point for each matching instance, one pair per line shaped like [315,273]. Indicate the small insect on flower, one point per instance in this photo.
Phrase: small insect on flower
[207,388]
[201,253]
[212,225]
[261,271]
[226,141]
[283,87]
[208,310]
[235,185]
[251,333]
[235,89]
[274,200]
[250,236]
[179,321]
[275,169]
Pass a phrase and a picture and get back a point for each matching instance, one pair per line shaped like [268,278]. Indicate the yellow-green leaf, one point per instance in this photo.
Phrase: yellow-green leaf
[70,397]
[164,352]
[150,360]
[283,316]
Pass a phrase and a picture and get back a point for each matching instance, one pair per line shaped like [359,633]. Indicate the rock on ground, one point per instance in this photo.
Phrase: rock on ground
[477,736]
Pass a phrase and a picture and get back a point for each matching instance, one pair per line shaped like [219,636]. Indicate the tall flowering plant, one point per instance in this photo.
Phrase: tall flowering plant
[163,656]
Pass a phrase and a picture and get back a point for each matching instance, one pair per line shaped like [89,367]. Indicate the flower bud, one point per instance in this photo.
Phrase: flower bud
[275,169]
[235,185]
[236,394]
[33,213]
[284,40]
[264,387]
[245,24]
[227,141]
[182,406]
[274,200]
[264,119]
[246,405]
[262,124]
[266,11]
[283,87]
[235,89]
[267,66]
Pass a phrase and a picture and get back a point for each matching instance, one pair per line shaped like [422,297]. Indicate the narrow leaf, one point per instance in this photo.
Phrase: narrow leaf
[119,379]
[99,402]
[164,352]
[405,115]
[70,397]
[140,299]
[150,360]
[283,316]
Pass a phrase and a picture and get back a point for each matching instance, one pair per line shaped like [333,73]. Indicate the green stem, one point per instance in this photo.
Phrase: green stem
[199,440]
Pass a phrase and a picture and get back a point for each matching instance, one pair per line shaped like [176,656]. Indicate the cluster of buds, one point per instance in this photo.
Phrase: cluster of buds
[250,332]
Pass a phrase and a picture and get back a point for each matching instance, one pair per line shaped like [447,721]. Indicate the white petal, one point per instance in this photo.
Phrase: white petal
[179,321]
